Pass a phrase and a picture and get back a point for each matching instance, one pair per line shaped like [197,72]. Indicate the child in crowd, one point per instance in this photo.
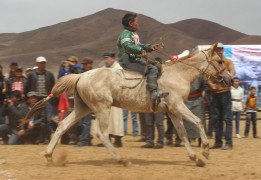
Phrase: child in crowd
[251,110]
[237,94]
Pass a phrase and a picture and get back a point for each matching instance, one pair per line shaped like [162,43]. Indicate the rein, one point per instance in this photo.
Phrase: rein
[203,72]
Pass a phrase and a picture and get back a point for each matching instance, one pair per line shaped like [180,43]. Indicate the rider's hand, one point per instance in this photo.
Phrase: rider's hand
[21,132]
[154,47]
[144,54]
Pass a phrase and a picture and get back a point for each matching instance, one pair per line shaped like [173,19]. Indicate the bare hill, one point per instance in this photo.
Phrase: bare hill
[92,35]
[248,40]
[207,30]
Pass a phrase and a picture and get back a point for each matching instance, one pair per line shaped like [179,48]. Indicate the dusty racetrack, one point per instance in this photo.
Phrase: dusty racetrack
[27,162]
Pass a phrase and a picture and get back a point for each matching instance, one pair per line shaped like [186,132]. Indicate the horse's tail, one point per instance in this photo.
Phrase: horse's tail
[66,83]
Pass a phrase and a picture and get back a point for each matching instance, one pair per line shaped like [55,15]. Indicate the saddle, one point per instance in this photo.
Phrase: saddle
[131,76]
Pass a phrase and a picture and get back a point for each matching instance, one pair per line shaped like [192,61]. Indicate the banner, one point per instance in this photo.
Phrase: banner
[247,62]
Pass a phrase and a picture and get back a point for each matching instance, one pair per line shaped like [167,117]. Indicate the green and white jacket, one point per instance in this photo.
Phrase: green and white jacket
[130,47]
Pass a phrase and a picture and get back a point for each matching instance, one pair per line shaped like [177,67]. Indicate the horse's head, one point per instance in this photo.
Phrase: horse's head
[215,70]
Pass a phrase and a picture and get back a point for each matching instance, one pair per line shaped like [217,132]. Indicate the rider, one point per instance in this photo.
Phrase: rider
[133,54]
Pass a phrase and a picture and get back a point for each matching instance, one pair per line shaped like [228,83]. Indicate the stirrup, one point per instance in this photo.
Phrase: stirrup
[160,97]
[163,95]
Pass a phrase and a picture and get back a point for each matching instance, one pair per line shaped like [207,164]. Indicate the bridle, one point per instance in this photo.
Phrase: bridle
[217,76]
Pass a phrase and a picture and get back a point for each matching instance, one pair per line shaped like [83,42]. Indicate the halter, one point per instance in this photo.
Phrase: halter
[217,77]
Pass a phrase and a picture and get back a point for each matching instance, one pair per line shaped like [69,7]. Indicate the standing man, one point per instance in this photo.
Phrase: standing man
[42,81]
[135,127]
[86,121]
[116,127]
[153,120]
[222,105]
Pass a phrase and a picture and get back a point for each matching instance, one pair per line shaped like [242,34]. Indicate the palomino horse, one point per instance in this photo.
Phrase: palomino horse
[99,89]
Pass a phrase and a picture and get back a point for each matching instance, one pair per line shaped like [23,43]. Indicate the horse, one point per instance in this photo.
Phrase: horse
[99,89]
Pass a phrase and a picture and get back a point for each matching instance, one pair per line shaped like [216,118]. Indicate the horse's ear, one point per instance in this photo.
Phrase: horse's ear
[213,48]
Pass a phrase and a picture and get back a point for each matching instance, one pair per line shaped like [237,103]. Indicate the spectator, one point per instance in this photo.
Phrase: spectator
[86,122]
[116,127]
[74,66]
[12,68]
[33,132]
[17,82]
[208,102]
[237,95]
[69,66]
[251,110]
[42,81]
[222,105]
[143,129]
[64,69]
[152,120]
[135,128]
[15,110]
[2,93]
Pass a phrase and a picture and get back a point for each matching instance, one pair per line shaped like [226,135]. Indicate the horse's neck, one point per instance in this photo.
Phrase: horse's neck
[189,70]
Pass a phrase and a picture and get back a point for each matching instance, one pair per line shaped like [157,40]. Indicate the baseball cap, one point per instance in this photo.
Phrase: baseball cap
[87,60]
[73,59]
[109,54]
[40,59]
[220,45]
[31,93]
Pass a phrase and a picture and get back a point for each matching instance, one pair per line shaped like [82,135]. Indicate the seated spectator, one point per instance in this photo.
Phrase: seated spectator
[33,132]
[15,110]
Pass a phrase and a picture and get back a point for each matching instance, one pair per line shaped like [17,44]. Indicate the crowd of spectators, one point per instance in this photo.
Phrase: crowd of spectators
[20,90]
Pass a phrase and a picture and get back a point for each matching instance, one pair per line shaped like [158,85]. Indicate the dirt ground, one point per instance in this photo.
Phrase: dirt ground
[26,162]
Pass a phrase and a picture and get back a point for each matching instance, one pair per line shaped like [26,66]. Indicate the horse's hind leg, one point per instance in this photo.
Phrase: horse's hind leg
[102,123]
[80,110]
[178,123]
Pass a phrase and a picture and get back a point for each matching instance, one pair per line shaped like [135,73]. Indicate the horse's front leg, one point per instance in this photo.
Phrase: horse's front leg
[189,116]
[178,123]
[102,125]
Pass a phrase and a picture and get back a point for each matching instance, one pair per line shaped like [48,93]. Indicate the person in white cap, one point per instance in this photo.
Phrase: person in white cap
[42,81]
[222,104]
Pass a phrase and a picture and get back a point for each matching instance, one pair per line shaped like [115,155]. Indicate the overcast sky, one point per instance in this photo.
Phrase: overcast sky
[25,15]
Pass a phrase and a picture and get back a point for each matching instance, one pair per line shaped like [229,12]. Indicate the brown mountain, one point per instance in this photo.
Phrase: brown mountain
[96,33]
[209,31]
[248,40]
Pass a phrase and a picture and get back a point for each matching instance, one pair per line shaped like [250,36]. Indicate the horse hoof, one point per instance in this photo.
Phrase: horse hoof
[200,163]
[50,163]
[125,162]
[49,159]
[205,154]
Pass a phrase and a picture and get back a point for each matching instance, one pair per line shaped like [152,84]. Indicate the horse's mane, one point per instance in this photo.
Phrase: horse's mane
[181,59]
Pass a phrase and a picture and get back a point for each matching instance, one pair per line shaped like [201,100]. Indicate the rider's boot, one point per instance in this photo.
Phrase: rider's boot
[153,88]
